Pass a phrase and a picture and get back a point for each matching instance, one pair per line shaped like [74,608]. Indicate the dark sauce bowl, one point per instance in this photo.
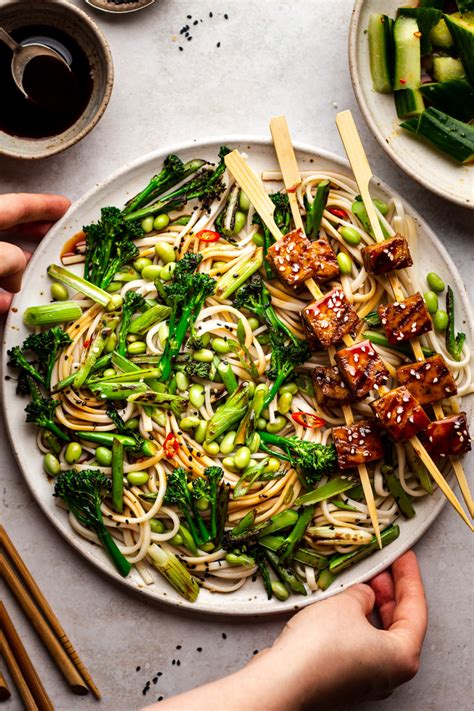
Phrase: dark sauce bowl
[70,21]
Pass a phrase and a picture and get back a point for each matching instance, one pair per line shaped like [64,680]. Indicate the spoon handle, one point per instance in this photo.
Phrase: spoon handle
[8,39]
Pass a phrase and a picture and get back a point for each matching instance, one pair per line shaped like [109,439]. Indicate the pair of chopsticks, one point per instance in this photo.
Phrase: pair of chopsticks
[38,611]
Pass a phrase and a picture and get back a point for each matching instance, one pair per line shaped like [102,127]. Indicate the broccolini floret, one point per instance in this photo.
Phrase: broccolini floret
[133,302]
[282,217]
[179,494]
[47,346]
[313,460]
[41,410]
[83,492]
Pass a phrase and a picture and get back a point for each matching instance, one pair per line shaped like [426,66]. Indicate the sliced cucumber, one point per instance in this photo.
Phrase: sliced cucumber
[426,18]
[447,69]
[381,52]
[406,36]
[451,136]
[461,27]
[409,102]
[440,36]
[455,98]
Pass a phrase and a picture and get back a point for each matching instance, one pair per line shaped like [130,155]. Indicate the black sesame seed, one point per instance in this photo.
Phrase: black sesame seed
[180,49]
[218,44]
[198,649]
[178,646]
[138,669]
[255,651]
[210,14]
[224,636]
[226,17]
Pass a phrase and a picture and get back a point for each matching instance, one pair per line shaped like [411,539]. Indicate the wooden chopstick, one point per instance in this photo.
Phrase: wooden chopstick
[4,690]
[17,676]
[292,178]
[363,174]
[61,659]
[24,662]
[46,610]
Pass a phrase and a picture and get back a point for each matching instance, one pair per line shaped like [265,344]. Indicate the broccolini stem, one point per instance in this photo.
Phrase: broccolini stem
[339,563]
[49,314]
[146,320]
[284,574]
[295,536]
[157,185]
[327,491]
[95,349]
[380,340]
[234,278]
[148,449]
[117,475]
[66,382]
[119,560]
[316,209]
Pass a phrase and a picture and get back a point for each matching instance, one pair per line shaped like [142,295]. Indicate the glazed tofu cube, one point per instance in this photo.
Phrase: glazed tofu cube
[386,256]
[400,414]
[326,267]
[357,444]
[449,436]
[294,259]
[330,318]
[403,320]
[329,387]
[428,381]
[311,340]
[362,368]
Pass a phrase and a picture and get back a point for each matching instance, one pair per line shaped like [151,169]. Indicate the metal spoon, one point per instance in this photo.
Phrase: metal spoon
[22,54]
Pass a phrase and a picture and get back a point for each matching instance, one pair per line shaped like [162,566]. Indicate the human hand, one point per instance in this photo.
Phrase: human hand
[29,216]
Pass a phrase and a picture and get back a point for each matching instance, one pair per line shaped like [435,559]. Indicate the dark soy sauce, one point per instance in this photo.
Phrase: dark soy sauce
[57,96]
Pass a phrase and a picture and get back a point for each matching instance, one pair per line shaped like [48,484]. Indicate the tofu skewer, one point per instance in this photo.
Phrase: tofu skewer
[255,191]
[362,173]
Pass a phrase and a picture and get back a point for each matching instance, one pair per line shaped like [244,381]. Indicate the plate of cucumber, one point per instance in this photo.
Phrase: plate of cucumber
[412,70]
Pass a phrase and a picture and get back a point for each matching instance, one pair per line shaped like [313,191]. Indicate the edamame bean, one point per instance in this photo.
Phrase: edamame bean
[208,547]
[103,456]
[165,252]
[151,272]
[257,239]
[381,206]
[227,444]
[242,458]
[132,424]
[220,345]
[167,271]
[109,373]
[244,202]
[177,540]
[182,381]
[234,559]
[289,388]
[113,287]
[279,590]
[200,432]
[211,448]
[273,465]
[163,332]
[277,425]
[265,414]
[240,220]
[136,348]
[435,282]
[254,444]
[345,263]
[350,235]
[110,343]
[51,464]
[202,504]
[253,323]
[147,224]
[137,478]
[261,423]
[59,292]
[196,395]
[115,303]
[204,355]
[141,263]
[431,301]
[160,222]
[284,403]
[229,463]
[132,337]
[440,320]
[157,525]
[189,423]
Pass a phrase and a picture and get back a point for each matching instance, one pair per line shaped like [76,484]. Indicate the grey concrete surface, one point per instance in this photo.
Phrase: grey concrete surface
[274,57]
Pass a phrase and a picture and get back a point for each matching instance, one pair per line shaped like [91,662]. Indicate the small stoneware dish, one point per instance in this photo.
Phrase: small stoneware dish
[73,21]
[120,8]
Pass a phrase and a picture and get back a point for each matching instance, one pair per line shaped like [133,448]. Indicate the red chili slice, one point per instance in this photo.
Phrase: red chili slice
[337,212]
[208,236]
[170,445]
[86,343]
[308,420]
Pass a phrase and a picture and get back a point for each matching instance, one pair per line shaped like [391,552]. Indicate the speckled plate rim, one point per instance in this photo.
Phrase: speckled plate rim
[356,36]
[251,600]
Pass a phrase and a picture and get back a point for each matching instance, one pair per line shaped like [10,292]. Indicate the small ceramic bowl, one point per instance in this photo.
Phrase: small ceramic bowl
[119,8]
[75,22]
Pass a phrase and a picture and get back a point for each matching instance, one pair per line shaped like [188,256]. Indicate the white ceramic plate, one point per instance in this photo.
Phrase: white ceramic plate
[418,159]
[251,599]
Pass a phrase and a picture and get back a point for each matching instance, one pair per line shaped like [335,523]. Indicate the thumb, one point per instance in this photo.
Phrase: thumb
[363,596]
[12,266]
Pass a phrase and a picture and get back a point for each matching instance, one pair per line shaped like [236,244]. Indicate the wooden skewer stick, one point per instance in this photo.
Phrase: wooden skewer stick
[4,690]
[61,659]
[17,676]
[291,178]
[24,662]
[48,613]
[363,174]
